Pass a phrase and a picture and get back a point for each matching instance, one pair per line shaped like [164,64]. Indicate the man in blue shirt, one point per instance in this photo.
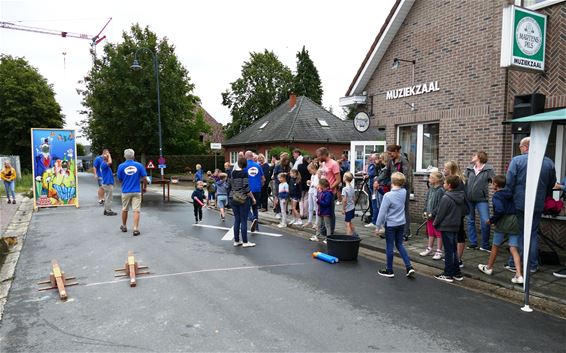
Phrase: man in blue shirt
[107,182]
[98,176]
[255,180]
[130,173]
[516,183]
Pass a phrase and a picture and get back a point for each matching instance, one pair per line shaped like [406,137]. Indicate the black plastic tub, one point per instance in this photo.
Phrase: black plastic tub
[344,247]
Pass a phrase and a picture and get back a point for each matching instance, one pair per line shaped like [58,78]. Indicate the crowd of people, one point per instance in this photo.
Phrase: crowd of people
[310,188]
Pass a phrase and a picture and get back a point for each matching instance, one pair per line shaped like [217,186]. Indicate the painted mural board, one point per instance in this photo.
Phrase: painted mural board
[54,164]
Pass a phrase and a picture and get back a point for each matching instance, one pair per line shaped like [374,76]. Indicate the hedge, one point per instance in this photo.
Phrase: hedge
[182,164]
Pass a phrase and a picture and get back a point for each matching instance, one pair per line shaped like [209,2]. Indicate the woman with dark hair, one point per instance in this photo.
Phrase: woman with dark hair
[241,198]
[284,166]
[398,162]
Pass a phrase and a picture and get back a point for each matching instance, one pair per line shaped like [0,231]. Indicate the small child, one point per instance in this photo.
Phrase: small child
[432,200]
[505,222]
[222,194]
[211,188]
[348,202]
[198,201]
[324,199]
[392,215]
[451,210]
[295,192]
[313,189]
[283,194]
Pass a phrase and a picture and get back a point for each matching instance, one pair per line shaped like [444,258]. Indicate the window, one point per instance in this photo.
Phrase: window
[322,122]
[536,4]
[233,157]
[264,124]
[360,151]
[420,143]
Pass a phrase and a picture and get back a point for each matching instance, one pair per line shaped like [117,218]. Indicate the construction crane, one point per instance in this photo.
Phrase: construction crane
[94,40]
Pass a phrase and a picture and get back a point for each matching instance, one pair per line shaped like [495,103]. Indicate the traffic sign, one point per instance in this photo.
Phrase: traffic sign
[162,166]
[215,146]
[150,165]
[161,160]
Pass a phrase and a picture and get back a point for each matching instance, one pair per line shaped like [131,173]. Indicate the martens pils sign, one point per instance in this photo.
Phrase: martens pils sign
[523,38]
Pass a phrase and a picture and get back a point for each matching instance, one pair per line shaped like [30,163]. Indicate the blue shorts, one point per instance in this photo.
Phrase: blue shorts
[222,201]
[99,179]
[211,195]
[296,198]
[349,215]
[498,239]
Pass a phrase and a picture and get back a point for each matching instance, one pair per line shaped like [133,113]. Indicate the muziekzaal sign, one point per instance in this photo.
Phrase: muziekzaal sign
[523,37]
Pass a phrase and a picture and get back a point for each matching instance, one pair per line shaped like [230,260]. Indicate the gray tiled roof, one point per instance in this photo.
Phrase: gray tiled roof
[301,125]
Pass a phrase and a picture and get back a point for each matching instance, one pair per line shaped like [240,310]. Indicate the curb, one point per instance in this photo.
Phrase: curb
[17,228]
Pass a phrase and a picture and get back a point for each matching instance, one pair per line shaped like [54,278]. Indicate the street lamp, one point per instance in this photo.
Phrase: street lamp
[136,67]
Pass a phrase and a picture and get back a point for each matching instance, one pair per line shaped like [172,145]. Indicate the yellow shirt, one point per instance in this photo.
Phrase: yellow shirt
[8,174]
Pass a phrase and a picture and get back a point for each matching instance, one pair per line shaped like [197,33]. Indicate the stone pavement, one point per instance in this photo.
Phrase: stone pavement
[547,291]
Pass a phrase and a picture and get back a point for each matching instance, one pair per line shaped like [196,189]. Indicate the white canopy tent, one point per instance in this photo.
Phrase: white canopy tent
[541,125]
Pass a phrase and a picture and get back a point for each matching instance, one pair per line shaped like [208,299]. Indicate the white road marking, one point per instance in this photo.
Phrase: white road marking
[232,230]
[229,234]
[199,271]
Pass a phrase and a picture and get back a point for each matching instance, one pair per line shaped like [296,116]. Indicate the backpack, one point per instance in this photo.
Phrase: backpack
[552,207]
[211,187]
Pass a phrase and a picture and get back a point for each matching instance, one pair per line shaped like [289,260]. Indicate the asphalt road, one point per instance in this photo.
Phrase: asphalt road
[206,295]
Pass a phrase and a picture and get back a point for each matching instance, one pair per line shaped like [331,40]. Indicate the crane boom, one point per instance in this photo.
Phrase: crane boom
[63,34]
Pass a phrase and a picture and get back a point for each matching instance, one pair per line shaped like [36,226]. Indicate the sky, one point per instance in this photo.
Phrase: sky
[213,39]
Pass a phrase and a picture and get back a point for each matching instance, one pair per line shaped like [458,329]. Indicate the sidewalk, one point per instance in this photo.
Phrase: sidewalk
[546,290]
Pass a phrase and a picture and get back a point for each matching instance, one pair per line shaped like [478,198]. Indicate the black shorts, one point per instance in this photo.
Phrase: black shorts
[348,216]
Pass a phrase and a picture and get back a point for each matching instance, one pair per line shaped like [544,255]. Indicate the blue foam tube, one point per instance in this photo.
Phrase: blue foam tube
[325,257]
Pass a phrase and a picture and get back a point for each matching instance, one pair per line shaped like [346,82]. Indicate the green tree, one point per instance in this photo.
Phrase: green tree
[122,103]
[264,85]
[307,81]
[26,101]
[80,149]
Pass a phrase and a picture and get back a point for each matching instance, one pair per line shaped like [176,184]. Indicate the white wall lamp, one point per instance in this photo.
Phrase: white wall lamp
[397,62]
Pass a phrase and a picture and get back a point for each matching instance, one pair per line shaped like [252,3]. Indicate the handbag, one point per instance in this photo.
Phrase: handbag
[239,197]
[508,224]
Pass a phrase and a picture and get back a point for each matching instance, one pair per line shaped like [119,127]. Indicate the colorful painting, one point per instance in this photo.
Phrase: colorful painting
[54,154]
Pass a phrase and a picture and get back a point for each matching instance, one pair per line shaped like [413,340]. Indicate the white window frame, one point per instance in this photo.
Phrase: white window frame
[420,136]
[233,160]
[352,154]
[560,156]
[540,5]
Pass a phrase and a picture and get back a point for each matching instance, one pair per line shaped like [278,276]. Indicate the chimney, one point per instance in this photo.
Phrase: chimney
[292,101]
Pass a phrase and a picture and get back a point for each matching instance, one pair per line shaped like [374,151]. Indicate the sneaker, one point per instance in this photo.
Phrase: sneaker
[380,231]
[410,272]
[254,225]
[282,225]
[460,264]
[472,247]
[443,277]
[223,219]
[560,273]
[324,241]
[486,250]
[278,215]
[369,225]
[517,280]
[386,273]
[510,268]
[298,222]
[458,277]
[406,237]
[13,202]
[101,202]
[110,213]
[237,243]
[313,238]
[249,244]
[485,269]
[136,233]
[426,252]
[123,228]
[437,255]
[196,221]
[9,201]
[533,270]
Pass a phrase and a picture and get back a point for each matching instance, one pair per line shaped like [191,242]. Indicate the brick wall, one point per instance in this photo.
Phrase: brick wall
[456,43]
[336,149]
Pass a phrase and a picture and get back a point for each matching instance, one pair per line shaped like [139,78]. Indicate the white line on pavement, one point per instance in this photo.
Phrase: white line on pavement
[199,271]
[232,230]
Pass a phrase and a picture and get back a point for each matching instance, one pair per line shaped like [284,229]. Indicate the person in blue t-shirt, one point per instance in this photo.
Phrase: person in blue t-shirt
[130,173]
[98,176]
[255,180]
[107,182]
